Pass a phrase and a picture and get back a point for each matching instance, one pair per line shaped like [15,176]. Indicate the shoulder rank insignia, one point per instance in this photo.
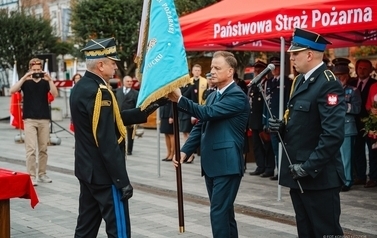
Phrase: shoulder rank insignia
[106,103]
[329,75]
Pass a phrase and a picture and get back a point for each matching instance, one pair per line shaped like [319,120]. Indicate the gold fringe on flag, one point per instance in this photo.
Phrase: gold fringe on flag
[165,90]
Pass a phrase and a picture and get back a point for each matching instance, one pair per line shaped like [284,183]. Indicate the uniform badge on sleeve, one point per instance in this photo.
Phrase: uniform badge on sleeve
[332,99]
[106,103]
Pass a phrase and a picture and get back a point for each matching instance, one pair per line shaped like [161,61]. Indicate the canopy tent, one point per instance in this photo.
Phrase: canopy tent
[258,26]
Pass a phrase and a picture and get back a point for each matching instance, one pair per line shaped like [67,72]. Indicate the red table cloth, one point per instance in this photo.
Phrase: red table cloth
[15,184]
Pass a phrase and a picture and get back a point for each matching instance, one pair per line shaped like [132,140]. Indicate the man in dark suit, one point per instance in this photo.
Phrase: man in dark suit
[273,100]
[313,132]
[220,133]
[127,99]
[363,82]
[262,148]
[100,144]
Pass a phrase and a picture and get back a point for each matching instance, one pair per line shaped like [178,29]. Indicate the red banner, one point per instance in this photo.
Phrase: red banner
[253,25]
[63,83]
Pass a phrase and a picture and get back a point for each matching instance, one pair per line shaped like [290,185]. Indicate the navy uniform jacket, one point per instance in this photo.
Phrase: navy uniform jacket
[353,107]
[314,131]
[105,163]
[219,132]
[273,92]
[256,105]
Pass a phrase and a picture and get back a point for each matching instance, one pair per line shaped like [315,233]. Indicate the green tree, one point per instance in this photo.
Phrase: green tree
[22,38]
[121,19]
[109,18]
[63,48]
[188,6]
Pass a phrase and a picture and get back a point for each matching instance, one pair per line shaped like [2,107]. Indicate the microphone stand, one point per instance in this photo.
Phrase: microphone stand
[279,135]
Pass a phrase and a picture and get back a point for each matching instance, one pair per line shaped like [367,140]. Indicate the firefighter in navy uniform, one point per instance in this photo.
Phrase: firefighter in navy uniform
[313,132]
[262,147]
[100,145]
[273,100]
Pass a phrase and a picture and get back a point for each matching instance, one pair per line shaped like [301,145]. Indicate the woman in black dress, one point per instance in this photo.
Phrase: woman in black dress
[166,127]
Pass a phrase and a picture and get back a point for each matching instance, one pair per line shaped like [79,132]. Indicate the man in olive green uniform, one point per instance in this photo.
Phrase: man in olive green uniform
[100,145]
[313,132]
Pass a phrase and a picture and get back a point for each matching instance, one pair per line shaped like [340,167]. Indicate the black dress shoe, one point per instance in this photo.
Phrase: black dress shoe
[167,159]
[274,177]
[256,172]
[188,161]
[129,153]
[266,175]
[345,188]
[359,181]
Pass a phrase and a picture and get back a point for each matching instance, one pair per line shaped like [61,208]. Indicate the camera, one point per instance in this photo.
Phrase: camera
[37,75]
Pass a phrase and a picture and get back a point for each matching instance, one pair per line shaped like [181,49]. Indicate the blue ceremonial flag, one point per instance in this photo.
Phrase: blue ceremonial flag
[161,56]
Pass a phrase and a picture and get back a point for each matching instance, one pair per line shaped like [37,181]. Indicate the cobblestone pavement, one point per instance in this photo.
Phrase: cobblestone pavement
[154,211]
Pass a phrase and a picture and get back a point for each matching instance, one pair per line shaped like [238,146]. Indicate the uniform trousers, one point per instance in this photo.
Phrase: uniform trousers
[222,192]
[275,146]
[37,134]
[360,161]
[263,153]
[130,141]
[317,212]
[99,202]
[346,151]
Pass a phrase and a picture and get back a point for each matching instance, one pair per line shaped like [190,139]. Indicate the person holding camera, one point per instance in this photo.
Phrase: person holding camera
[35,85]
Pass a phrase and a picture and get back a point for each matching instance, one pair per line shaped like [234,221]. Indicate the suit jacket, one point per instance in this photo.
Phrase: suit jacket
[364,96]
[105,163]
[353,107]
[219,132]
[187,91]
[127,101]
[314,131]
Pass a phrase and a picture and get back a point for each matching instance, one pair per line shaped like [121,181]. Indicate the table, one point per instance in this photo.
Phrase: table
[13,185]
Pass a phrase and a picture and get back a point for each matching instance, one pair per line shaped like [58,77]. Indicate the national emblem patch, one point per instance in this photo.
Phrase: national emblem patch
[332,99]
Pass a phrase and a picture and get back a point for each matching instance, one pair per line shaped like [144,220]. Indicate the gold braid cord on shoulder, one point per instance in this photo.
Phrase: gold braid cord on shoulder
[290,95]
[117,117]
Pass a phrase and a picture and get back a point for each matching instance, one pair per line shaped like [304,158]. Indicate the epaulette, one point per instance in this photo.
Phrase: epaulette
[329,75]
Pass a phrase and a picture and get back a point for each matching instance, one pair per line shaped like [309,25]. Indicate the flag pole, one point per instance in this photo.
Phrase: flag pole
[178,170]
[20,119]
